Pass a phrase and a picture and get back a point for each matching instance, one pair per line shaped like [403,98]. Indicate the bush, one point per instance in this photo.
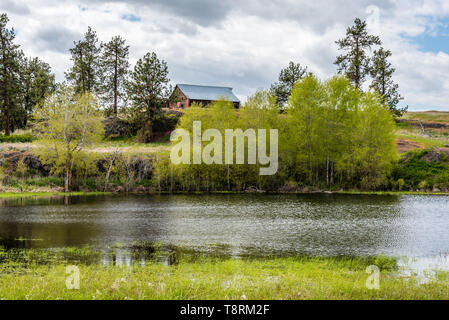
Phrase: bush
[418,170]
[16,138]
[165,122]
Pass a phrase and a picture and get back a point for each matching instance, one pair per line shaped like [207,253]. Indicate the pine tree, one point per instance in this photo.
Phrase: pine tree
[85,72]
[287,78]
[115,65]
[354,63]
[37,82]
[10,56]
[148,85]
[381,73]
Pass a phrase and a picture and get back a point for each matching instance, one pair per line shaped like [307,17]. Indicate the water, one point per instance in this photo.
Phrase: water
[239,225]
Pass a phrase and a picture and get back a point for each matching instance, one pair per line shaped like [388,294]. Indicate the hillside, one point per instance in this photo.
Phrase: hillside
[423,130]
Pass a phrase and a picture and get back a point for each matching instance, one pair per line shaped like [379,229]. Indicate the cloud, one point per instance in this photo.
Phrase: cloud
[201,12]
[16,7]
[56,39]
[244,44]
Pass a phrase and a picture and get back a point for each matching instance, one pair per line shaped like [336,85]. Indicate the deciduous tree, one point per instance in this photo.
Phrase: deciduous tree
[67,123]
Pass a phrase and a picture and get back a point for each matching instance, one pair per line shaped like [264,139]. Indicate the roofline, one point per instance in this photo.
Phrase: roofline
[198,85]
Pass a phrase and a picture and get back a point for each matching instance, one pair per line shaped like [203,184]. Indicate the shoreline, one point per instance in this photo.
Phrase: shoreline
[6,195]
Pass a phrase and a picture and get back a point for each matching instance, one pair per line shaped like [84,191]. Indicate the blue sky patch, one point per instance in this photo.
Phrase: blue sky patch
[434,40]
[131,17]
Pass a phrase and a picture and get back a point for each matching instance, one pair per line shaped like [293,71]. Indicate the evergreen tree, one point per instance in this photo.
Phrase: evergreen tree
[354,63]
[37,82]
[115,65]
[148,85]
[287,78]
[85,72]
[10,56]
[382,82]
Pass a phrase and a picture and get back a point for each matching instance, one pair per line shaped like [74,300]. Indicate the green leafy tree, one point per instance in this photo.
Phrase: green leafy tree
[355,62]
[85,72]
[304,119]
[374,150]
[148,90]
[10,56]
[67,123]
[337,135]
[382,74]
[287,78]
[115,65]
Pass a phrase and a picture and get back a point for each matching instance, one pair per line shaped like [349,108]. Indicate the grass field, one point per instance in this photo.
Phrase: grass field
[410,137]
[292,278]
[433,116]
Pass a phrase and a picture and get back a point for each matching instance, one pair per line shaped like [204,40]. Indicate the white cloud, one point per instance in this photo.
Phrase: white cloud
[241,44]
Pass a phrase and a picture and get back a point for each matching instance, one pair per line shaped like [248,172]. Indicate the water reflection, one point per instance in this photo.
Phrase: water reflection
[234,225]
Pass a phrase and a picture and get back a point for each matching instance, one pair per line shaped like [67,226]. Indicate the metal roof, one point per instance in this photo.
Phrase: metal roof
[207,92]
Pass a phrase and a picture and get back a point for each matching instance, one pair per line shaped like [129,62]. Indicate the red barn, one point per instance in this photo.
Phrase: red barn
[188,93]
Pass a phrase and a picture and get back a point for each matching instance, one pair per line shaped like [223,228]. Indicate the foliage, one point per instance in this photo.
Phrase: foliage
[148,88]
[330,136]
[287,78]
[84,75]
[355,63]
[16,138]
[381,72]
[67,123]
[114,66]
[37,82]
[24,81]
[10,56]
[417,173]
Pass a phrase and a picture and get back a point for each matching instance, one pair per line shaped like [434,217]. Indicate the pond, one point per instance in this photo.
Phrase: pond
[238,225]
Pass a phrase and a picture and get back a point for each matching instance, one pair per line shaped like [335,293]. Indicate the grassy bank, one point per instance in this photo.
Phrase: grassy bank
[7,195]
[48,194]
[283,278]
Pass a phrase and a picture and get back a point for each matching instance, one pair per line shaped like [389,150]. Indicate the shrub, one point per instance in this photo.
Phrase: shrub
[16,138]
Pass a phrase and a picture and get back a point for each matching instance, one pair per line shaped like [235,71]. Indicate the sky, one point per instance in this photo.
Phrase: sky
[244,44]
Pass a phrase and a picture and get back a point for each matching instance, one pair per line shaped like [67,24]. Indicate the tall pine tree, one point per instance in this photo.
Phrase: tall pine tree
[114,65]
[148,85]
[85,72]
[10,56]
[355,62]
[148,89]
[37,83]
[287,78]
[382,82]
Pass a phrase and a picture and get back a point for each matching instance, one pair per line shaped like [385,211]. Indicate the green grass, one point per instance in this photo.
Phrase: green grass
[14,138]
[207,278]
[434,116]
[427,142]
[48,194]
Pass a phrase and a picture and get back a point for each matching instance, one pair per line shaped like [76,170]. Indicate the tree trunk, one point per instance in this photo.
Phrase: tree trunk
[115,83]
[66,180]
[7,122]
[108,173]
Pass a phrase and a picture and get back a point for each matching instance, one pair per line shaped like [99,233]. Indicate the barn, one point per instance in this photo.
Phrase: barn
[186,94]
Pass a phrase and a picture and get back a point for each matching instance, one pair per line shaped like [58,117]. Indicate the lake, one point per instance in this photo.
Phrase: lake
[411,226]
